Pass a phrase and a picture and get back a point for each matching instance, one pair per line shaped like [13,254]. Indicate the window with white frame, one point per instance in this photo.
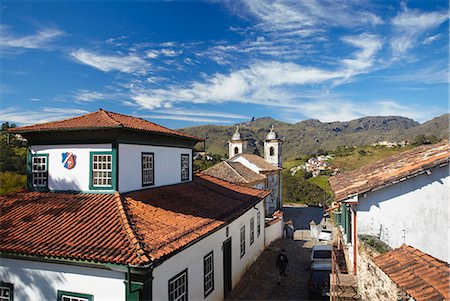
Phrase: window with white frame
[252,230]
[258,224]
[101,170]
[148,169]
[69,296]
[184,167]
[242,241]
[6,291]
[39,170]
[208,273]
[178,287]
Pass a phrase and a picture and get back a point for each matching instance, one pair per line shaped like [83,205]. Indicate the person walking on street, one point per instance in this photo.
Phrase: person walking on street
[281,264]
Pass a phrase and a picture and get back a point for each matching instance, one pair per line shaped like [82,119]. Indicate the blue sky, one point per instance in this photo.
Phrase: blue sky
[222,62]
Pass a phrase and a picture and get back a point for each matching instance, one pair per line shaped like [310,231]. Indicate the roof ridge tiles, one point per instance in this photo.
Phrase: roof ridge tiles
[262,195]
[107,113]
[235,171]
[126,222]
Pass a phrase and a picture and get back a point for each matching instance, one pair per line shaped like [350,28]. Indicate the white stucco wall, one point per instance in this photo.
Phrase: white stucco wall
[167,165]
[241,145]
[273,199]
[274,232]
[414,211]
[246,163]
[192,259]
[40,281]
[61,178]
[276,158]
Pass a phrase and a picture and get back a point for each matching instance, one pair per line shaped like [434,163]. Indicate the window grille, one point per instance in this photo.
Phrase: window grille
[148,172]
[208,273]
[101,170]
[178,287]
[40,170]
[252,230]
[6,292]
[184,167]
[258,224]
[242,241]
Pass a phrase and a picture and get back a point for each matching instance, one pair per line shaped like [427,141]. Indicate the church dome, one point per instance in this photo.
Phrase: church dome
[236,136]
[272,135]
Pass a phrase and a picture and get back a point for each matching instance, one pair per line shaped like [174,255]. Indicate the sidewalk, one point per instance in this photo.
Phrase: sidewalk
[260,281]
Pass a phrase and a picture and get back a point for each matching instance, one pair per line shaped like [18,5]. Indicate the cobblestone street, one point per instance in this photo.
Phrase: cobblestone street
[260,281]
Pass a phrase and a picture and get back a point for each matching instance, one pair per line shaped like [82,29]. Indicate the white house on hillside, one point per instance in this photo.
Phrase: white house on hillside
[403,199]
[113,212]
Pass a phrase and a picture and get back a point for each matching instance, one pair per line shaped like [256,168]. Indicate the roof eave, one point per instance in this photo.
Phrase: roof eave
[18,131]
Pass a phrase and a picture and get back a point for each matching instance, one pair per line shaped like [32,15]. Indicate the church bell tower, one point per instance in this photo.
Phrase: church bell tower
[237,145]
[272,148]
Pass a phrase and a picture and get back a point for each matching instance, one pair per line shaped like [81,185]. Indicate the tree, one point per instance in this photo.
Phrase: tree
[297,189]
[12,155]
[424,139]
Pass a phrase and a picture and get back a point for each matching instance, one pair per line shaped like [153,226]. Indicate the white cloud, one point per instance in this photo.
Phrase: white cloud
[260,83]
[305,17]
[433,74]
[86,95]
[152,54]
[431,39]
[123,63]
[187,118]
[364,59]
[202,113]
[41,39]
[169,52]
[26,117]
[345,110]
[409,24]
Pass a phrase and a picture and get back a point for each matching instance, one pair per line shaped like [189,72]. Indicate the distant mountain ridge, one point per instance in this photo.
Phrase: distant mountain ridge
[308,136]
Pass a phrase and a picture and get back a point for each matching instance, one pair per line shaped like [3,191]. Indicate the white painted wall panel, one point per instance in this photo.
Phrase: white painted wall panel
[246,163]
[274,232]
[61,178]
[40,281]
[192,259]
[167,162]
[419,206]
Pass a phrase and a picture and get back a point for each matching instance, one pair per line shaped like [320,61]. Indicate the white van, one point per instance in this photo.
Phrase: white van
[321,253]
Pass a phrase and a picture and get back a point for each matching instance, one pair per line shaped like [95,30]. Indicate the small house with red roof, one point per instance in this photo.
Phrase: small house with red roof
[113,211]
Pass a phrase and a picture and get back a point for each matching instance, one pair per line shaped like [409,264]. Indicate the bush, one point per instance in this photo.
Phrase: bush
[374,243]
[297,189]
[424,139]
[11,182]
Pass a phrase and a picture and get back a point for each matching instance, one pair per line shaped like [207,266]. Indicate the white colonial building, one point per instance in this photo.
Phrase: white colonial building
[113,212]
[253,171]
[403,199]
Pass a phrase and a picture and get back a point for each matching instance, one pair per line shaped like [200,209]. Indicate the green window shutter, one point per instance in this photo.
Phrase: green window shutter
[62,294]
[133,291]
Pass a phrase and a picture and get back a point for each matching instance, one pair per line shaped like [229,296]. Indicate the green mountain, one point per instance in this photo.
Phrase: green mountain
[306,137]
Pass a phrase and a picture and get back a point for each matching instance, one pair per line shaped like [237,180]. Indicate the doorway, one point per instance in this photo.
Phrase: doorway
[226,249]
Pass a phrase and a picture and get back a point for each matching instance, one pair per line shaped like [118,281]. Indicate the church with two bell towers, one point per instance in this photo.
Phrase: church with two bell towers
[252,170]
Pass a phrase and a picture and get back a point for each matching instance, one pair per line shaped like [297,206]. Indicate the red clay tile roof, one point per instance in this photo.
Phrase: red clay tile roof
[67,225]
[124,229]
[389,170]
[234,172]
[420,275]
[102,119]
[169,217]
[258,161]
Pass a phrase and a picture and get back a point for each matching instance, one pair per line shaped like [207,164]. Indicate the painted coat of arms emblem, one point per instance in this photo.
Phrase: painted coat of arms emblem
[68,160]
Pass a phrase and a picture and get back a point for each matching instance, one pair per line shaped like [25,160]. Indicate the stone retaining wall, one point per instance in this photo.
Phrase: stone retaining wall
[373,283]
